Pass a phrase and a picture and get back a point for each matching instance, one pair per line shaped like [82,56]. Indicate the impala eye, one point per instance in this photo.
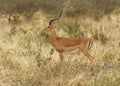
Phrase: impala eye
[49,27]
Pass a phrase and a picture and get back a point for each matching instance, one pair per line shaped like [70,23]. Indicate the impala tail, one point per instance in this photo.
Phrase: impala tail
[90,44]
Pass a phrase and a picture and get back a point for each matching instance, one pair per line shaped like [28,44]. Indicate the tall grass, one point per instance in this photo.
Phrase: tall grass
[25,52]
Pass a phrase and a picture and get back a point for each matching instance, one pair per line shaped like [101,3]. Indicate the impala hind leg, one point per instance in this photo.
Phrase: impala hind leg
[61,62]
[85,52]
[89,57]
[89,54]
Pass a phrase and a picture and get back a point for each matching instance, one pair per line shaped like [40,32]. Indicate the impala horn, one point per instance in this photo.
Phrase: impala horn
[60,13]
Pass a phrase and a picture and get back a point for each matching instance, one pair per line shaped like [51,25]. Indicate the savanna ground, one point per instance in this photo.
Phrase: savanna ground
[25,51]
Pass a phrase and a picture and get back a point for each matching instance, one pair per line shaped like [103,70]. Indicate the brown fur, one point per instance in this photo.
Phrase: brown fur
[62,44]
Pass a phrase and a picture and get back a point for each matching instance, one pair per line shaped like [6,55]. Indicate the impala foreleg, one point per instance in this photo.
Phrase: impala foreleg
[61,62]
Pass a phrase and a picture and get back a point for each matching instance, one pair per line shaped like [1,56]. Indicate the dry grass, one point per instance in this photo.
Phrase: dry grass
[24,54]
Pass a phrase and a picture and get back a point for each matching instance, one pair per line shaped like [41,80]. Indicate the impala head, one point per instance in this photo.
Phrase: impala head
[49,28]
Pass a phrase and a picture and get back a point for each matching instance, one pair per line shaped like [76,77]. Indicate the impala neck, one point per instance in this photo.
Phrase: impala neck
[52,35]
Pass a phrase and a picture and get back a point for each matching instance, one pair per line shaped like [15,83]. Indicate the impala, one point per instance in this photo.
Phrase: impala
[68,45]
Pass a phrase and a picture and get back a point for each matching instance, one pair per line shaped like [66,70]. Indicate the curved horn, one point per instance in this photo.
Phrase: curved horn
[60,13]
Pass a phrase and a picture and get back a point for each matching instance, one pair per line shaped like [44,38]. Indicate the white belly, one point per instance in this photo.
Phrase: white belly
[73,51]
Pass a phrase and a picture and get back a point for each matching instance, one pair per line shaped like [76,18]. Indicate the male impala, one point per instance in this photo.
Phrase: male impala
[64,45]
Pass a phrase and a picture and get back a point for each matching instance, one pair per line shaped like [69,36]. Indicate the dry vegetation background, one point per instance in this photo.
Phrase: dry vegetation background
[25,51]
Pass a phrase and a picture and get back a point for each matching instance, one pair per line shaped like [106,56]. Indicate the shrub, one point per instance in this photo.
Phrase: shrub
[27,8]
[16,8]
[51,6]
[71,28]
[91,8]
[99,36]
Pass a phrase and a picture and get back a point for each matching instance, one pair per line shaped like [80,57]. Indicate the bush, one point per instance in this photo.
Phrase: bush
[51,6]
[16,8]
[71,28]
[100,36]
[91,8]
[27,8]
